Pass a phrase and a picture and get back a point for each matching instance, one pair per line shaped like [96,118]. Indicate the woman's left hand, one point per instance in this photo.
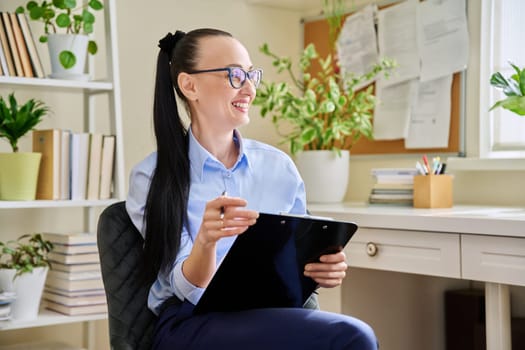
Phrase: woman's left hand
[330,271]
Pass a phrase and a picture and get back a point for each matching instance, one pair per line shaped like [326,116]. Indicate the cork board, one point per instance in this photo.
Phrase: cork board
[317,32]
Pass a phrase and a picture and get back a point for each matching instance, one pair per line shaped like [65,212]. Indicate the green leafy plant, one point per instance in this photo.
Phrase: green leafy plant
[25,253]
[65,14]
[324,110]
[16,121]
[321,111]
[513,87]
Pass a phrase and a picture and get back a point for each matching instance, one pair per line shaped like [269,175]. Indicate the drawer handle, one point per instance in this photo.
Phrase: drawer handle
[371,249]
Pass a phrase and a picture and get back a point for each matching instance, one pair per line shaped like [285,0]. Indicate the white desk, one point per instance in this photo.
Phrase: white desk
[469,242]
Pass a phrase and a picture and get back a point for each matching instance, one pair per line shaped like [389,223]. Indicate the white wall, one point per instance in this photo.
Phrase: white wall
[405,309]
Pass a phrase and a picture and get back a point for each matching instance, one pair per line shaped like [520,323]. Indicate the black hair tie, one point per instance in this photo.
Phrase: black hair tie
[167,43]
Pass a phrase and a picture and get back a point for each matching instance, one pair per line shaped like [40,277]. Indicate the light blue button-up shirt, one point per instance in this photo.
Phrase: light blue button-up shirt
[263,175]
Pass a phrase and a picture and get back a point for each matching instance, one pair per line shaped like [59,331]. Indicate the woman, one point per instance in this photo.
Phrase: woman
[178,200]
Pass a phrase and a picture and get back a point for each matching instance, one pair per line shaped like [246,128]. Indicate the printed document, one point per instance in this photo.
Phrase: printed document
[397,39]
[357,44]
[430,118]
[443,38]
[392,113]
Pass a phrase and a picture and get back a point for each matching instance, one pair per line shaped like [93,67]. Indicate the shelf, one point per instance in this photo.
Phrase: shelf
[297,5]
[59,83]
[56,203]
[49,318]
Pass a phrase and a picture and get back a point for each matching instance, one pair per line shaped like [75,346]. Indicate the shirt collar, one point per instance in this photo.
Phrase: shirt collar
[199,155]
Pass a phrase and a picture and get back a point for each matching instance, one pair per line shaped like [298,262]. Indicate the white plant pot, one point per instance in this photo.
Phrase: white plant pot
[28,288]
[76,43]
[325,175]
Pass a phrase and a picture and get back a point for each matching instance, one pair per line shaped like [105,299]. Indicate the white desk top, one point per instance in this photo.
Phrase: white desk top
[486,220]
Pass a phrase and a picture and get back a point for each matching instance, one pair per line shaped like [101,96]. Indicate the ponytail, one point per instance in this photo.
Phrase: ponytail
[166,203]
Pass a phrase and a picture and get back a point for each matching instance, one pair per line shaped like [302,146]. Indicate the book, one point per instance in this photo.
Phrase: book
[95,156]
[77,310]
[75,248]
[74,285]
[3,62]
[270,256]
[392,186]
[74,268]
[79,165]
[74,276]
[70,238]
[6,20]
[75,300]
[106,166]
[84,258]
[6,49]
[21,47]
[47,142]
[36,63]
[74,294]
[394,175]
[65,164]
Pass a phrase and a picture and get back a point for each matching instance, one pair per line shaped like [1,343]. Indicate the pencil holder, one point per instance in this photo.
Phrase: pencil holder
[432,191]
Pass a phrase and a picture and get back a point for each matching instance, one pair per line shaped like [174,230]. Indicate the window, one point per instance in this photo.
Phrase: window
[502,133]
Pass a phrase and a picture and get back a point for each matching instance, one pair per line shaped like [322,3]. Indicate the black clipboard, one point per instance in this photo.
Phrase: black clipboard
[264,267]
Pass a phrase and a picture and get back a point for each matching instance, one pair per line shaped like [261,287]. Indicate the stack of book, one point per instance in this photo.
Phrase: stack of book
[393,186]
[18,53]
[74,284]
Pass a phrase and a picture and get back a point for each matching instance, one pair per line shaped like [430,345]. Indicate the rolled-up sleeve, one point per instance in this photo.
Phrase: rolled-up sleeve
[182,288]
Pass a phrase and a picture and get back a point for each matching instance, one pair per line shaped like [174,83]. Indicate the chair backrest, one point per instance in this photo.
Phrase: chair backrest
[120,245]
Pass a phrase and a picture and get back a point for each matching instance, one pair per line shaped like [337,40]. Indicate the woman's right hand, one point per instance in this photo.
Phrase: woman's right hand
[225,216]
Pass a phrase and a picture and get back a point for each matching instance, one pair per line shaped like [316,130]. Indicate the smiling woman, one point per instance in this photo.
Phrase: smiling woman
[177,200]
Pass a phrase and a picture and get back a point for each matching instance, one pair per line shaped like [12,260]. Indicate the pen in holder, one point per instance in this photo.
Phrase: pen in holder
[433,191]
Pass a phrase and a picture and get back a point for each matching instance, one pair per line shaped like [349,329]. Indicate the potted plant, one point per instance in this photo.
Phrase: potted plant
[19,170]
[321,112]
[513,87]
[67,50]
[23,269]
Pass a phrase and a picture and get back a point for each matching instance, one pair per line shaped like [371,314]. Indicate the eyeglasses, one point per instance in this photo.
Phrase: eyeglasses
[236,75]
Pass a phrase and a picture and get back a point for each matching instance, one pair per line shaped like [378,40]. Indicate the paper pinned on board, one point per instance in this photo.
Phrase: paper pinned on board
[397,39]
[443,38]
[430,116]
[357,43]
[392,113]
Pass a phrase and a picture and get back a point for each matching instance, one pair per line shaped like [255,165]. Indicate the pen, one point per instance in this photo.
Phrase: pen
[443,167]
[420,168]
[223,194]
[425,162]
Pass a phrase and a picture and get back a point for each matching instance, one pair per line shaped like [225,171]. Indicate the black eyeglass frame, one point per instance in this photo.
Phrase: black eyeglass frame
[230,75]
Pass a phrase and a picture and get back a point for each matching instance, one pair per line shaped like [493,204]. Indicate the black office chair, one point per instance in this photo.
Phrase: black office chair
[131,323]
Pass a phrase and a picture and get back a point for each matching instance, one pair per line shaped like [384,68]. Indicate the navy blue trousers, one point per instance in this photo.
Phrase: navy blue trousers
[264,329]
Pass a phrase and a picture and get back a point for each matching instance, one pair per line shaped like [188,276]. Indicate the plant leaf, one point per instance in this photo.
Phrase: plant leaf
[67,59]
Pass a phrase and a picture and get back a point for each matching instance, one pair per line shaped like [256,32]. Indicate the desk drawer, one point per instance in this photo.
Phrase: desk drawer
[493,259]
[428,253]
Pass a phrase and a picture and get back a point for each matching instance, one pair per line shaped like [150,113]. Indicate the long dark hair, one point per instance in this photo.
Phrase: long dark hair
[166,205]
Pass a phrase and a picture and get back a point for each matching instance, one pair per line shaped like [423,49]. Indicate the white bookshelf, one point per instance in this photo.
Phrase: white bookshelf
[88,90]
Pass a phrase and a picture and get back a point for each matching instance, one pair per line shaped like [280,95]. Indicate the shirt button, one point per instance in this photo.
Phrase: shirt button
[228,174]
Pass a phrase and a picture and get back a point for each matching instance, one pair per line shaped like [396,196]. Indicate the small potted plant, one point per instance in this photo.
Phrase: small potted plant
[67,49]
[23,269]
[513,87]
[322,114]
[19,170]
